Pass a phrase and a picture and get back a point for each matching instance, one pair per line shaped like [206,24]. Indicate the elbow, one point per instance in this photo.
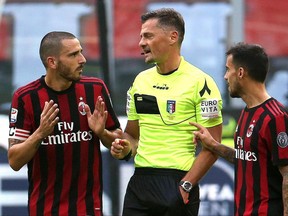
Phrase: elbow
[14,166]
[13,163]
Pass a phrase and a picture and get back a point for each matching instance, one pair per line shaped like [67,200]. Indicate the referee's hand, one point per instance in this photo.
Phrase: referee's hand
[120,148]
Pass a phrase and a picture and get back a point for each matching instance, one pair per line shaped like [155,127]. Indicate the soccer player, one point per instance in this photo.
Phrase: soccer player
[160,104]
[261,141]
[53,131]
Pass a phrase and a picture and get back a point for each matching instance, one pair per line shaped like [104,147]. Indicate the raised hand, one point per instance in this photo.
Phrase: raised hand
[97,120]
[48,118]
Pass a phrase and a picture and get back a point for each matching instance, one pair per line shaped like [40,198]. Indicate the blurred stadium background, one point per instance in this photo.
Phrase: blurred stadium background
[109,33]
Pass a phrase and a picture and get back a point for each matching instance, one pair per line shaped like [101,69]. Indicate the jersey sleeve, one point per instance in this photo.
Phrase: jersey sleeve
[130,104]
[208,103]
[277,136]
[20,126]
[112,122]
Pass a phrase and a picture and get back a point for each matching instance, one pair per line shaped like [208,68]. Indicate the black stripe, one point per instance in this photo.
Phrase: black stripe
[42,151]
[110,109]
[75,155]
[89,190]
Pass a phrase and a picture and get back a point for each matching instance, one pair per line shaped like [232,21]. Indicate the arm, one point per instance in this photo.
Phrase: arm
[21,152]
[213,145]
[121,148]
[97,122]
[202,163]
[284,171]
[205,158]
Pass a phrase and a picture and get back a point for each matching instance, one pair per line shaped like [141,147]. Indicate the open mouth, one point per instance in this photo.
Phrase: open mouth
[145,52]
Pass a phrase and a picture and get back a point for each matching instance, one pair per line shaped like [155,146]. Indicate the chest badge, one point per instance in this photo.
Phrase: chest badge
[81,107]
[171,106]
[250,129]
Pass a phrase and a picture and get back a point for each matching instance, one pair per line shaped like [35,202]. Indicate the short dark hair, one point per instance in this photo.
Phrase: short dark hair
[167,17]
[252,57]
[51,44]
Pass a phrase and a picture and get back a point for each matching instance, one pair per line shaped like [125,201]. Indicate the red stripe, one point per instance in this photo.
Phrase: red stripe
[49,193]
[43,97]
[63,103]
[35,175]
[21,136]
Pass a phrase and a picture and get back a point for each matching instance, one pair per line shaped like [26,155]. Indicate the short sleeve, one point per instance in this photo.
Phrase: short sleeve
[130,105]
[278,137]
[208,103]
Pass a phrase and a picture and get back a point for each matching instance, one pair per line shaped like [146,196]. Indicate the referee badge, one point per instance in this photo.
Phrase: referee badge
[282,140]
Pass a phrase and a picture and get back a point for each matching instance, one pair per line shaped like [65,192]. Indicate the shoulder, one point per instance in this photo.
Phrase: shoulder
[91,82]
[26,89]
[275,108]
[88,79]
[193,71]
[198,79]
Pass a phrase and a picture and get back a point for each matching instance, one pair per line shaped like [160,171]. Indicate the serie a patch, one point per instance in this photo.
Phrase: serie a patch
[282,140]
[209,108]
[13,115]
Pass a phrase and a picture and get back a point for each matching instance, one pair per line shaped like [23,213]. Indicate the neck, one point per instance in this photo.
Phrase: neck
[57,84]
[168,66]
[255,95]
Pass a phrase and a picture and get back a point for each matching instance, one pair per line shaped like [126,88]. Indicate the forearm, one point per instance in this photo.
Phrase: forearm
[108,137]
[201,165]
[205,158]
[285,194]
[20,153]
[224,151]
[133,144]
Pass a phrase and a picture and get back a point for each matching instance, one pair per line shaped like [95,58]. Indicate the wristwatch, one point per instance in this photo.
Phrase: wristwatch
[186,185]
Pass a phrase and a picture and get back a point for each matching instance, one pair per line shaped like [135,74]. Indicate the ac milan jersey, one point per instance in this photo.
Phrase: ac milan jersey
[65,175]
[261,145]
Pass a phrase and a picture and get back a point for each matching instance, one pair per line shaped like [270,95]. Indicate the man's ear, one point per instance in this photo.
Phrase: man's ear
[174,37]
[241,72]
[51,62]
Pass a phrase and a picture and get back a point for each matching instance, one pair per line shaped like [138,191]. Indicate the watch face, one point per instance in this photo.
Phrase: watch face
[186,185]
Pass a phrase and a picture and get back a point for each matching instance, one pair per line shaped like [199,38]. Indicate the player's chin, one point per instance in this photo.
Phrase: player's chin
[77,78]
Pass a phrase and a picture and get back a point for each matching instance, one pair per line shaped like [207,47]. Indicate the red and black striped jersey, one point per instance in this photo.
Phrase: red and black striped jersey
[261,145]
[65,175]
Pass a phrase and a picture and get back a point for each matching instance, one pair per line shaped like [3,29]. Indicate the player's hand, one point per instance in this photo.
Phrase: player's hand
[120,148]
[202,136]
[48,118]
[97,120]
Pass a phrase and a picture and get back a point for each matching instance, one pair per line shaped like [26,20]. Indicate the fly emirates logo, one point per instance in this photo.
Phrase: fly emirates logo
[242,154]
[67,135]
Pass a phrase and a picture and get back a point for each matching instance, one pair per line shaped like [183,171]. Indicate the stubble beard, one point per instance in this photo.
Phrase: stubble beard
[67,73]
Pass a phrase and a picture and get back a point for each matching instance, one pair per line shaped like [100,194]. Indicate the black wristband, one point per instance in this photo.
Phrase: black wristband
[128,156]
